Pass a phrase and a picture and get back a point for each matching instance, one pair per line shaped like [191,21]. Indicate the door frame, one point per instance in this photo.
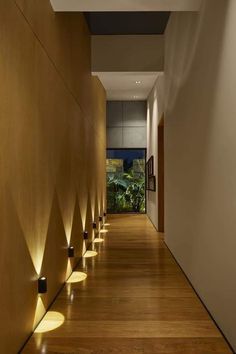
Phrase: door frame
[161,167]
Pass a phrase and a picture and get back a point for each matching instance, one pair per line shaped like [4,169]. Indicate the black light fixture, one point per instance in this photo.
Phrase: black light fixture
[104,214]
[94,225]
[100,218]
[85,235]
[71,252]
[42,285]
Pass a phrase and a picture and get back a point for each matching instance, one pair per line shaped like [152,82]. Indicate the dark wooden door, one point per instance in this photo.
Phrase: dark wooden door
[161,176]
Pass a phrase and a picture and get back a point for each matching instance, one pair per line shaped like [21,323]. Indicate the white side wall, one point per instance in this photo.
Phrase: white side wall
[155,108]
[200,154]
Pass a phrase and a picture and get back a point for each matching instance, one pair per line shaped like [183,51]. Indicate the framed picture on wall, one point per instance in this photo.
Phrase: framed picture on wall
[151,166]
[151,183]
[146,170]
[150,178]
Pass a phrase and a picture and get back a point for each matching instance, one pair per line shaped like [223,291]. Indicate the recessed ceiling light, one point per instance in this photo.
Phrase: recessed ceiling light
[138,82]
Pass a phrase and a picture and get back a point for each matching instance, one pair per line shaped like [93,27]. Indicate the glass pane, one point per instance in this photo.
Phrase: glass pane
[126,180]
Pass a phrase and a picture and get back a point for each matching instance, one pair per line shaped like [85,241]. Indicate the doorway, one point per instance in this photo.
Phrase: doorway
[125,170]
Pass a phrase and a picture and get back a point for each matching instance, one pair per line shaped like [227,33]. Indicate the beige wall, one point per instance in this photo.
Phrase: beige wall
[200,156]
[131,53]
[126,5]
[155,110]
[52,156]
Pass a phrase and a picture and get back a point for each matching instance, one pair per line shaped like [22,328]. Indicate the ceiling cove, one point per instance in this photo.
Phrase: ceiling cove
[127,23]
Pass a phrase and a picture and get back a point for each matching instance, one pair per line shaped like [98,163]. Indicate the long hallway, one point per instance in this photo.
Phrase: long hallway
[135,300]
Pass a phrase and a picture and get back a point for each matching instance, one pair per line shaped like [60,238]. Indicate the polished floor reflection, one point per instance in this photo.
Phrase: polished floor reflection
[135,300]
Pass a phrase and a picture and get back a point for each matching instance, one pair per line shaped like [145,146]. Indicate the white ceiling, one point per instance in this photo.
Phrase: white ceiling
[126,5]
[122,86]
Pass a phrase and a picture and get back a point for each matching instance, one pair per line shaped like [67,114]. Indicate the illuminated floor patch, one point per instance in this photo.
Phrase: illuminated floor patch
[103,231]
[76,277]
[51,321]
[98,240]
[89,254]
[106,224]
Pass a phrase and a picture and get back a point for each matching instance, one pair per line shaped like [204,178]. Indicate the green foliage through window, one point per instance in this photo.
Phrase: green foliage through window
[126,192]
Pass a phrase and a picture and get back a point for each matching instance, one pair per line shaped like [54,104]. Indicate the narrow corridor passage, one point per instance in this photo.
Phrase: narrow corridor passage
[135,300]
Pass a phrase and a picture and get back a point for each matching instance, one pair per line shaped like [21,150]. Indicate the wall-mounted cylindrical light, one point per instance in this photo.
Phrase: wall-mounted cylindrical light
[42,285]
[85,235]
[94,225]
[71,252]
[100,218]
[104,214]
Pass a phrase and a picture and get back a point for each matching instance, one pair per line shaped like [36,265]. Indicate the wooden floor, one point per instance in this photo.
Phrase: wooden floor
[135,300]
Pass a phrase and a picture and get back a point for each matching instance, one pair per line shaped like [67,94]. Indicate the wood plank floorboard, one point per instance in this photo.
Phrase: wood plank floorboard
[135,300]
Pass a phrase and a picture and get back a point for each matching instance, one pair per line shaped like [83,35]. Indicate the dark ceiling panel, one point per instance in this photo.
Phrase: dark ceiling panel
[115,23]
